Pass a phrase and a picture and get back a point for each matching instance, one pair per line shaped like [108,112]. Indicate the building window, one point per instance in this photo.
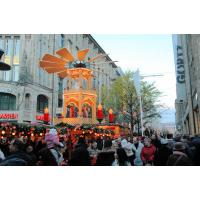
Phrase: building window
[60,102]
[60,84]
[16,59]
[27,101]
[42,103]
[62,42]
[8,56]
[7,101]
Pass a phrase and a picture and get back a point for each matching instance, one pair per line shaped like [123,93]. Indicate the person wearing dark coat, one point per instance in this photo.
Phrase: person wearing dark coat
[107,156]
[162,154]
[18,157]
[80,156]
[179,157]
[30,152]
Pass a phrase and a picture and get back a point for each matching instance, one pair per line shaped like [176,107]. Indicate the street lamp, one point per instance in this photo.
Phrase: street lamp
[137,81]
[3,66]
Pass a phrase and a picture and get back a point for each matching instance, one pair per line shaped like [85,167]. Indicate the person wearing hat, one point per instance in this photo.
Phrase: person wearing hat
[179,157]
[162,154]
[50,155]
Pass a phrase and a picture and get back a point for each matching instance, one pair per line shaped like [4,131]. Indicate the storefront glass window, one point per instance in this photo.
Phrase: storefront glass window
[7,101]
[42,103]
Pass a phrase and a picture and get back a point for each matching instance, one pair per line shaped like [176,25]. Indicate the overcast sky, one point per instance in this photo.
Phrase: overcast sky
[152,54]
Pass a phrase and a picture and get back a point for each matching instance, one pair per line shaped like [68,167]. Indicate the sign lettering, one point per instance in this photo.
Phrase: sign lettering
[180,73]
[8,116]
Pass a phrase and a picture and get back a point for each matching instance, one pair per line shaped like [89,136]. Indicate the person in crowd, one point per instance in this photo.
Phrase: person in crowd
[107,156]
[122,157]
[148,152]
[188,149]
[50,155]
[162,154]
[128,147]
[2,157]
[195,147]
[17,155]
[80,156]
[179,156]
[93,151]
[30,152]
[155,140]
[137,146]
[4,146]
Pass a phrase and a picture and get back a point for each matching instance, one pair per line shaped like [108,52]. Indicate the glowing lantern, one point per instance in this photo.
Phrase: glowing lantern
[111,116]
[3,132]
[46,115]
[100,113]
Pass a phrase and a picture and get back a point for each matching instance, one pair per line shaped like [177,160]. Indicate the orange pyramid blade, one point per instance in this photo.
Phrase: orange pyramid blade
[63,74]
[45,64]
[81,54]
[51,58]
[65,54]
[53,70]
[97,57]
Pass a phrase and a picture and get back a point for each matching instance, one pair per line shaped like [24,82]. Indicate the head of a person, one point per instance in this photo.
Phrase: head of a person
[135,140]
[94,144]
[179,146]
[16,145]
[153,137]
[177,138]
[164,141]
[147,142]
[29,149]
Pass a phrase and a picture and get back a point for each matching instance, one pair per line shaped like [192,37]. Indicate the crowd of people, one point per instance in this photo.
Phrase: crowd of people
[53,150]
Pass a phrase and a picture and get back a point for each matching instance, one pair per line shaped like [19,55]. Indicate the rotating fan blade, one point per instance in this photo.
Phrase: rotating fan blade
[81,54]
[65,54]
[51,58]
[97,57]
[63,74]
[53,70]
[45,64]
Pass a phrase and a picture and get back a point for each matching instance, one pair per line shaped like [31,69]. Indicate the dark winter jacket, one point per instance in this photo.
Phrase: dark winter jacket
[80,157]
[179,158]
[105,158]
[162,155]
[17,159]
[46,158]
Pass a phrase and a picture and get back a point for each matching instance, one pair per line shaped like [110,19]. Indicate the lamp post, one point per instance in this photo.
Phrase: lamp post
[137,81]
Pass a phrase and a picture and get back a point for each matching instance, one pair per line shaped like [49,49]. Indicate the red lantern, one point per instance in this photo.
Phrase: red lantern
[100,113]
[46,115]
[111,116]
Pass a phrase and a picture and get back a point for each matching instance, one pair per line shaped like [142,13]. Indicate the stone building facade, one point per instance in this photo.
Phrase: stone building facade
[27,89]
[187,61]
